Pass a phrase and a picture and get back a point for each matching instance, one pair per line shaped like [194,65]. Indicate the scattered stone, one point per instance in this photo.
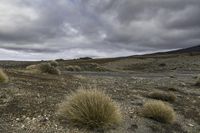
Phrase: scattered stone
[23,126]
[191,125]
[182,84]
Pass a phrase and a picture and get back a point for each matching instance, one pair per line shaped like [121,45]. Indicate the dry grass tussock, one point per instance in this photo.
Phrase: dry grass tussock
[73,68]
[159,111]
[162,96]
[90,109]
[3,77]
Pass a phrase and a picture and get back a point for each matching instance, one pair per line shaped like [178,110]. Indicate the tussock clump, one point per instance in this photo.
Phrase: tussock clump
[47,68]
[3,77]
[55,71]
[90,109]
[54,63]
[163,96]
[73,68]
[159,111]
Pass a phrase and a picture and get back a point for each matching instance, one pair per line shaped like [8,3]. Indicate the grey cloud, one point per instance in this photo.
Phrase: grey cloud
[49,26]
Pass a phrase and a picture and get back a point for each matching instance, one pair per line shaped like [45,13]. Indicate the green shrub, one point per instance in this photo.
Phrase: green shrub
[3,77]
[159,111]
[90,109]
[163,96]
[54,63]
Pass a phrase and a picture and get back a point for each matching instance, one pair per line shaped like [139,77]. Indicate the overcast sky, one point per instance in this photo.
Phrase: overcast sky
[50,29]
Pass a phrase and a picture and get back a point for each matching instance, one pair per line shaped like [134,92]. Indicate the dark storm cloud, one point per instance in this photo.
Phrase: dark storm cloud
[100,26]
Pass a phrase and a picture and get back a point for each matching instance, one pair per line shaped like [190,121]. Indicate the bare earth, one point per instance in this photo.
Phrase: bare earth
[28,103]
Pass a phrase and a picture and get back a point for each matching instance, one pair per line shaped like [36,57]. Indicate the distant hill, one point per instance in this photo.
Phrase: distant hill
[187,50]
[194,49]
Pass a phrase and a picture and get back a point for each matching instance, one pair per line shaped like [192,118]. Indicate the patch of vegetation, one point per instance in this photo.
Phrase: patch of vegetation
[73,68]
[90,109]
[159,111]
[3,77]
[162,96]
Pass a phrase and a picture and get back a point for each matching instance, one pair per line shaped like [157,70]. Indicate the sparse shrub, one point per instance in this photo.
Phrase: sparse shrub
[47,68]
[90,109]
[73,68]
[159,111]
[163,96]
[197,81]
[3,77]
[54,63]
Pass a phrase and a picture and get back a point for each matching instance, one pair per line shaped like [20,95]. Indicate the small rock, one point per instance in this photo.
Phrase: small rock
[182,84]
[23,126]
[45,119]
[17,119]
[191,125]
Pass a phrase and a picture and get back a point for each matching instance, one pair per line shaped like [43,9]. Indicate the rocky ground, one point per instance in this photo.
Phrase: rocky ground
[28,103]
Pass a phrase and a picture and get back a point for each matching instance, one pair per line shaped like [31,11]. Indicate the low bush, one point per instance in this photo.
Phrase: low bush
[90,109]
[159,111]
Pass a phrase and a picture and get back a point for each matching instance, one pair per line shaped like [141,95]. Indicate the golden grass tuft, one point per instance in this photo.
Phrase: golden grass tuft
[163,96]
[159,111]
[3,77]
[90,109]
